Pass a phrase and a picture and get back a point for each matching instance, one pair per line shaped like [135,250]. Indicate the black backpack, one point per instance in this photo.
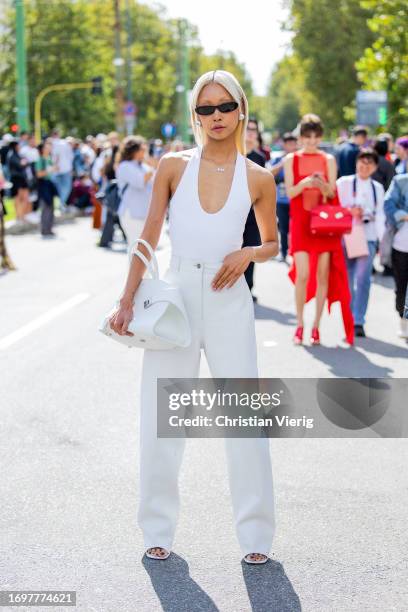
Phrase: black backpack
[113,196]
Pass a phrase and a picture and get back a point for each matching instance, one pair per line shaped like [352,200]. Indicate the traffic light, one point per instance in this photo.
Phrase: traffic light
[97,86]
[14,128]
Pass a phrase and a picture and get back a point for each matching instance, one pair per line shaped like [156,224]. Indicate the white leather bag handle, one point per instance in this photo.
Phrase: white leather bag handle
[151,265]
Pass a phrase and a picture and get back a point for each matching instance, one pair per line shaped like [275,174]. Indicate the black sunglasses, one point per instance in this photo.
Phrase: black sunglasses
[225,107]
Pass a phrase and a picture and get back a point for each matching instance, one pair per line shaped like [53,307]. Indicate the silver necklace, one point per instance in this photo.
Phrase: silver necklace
[217,168]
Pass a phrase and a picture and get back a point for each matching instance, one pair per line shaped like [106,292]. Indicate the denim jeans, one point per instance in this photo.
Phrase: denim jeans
[63,183]
[359,276]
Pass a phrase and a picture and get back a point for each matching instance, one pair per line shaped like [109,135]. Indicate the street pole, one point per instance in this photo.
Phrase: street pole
[118,62]
[184,85]
[129,122]
[128,53]
[21,69]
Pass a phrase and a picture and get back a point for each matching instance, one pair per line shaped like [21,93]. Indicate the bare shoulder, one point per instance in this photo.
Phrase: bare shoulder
[259,175]
[255,171]
[260,180]
[330,158]
[176,159]
[289,157]
[172,166]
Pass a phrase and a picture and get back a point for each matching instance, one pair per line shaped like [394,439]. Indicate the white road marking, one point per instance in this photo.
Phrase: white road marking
[269,343]
[42,320]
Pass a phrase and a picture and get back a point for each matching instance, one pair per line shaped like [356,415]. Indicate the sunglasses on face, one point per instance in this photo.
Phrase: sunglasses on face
[225,107]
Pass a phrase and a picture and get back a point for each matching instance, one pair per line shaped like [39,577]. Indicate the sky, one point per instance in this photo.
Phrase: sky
[250,29]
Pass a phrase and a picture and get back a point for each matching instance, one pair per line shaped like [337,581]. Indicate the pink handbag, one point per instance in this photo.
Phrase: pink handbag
[356,242]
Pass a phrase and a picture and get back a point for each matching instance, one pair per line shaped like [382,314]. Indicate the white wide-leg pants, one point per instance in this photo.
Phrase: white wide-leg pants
[132,227]
[223,324]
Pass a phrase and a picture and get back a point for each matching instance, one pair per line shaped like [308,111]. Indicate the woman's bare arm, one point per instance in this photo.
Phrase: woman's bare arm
[291,189]
[265,214]
[332,164]
[328,188]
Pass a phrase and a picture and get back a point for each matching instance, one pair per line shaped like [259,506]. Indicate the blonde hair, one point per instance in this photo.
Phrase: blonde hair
[231,84]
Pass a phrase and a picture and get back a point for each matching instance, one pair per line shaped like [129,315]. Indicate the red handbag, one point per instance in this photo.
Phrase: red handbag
[330,220]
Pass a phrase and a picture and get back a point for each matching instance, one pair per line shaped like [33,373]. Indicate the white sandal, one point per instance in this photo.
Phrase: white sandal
[155,556]
[253,561]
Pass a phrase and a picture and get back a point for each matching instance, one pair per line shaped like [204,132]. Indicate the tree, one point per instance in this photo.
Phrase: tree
[73,41]
[63,47]
[329,38]
[287,97]
[225,60]
[384,65]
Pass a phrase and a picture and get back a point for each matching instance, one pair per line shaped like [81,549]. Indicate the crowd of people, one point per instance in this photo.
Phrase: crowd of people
[369,177]
[111,178]
[69,172]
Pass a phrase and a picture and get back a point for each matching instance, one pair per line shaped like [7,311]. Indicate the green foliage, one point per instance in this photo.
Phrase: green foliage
[385,64]
[329,38]
[287,97]
[62,47]
[225,60]
[70,41]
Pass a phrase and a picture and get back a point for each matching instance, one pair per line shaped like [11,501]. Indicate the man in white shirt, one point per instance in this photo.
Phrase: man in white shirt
[28,150]
[63,158]
[365,198]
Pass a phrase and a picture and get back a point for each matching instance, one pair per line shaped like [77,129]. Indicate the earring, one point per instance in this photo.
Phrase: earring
[241,116]
[198,123]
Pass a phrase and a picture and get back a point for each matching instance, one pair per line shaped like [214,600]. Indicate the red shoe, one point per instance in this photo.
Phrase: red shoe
[315,336]
[298,337]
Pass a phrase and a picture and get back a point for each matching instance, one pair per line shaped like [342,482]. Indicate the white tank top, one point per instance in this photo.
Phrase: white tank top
[208,237]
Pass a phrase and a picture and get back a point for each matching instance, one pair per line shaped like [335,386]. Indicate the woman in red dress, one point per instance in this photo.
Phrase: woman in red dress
[319,268]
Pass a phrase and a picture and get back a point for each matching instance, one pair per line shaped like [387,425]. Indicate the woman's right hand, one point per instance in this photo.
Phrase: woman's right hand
[356,211]
[308,181]
[120,319]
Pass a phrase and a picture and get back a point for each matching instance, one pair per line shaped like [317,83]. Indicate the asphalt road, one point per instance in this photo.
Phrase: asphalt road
[69,457]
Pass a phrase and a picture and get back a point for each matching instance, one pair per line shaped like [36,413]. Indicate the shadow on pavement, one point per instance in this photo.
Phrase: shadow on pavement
[264,312]
[118,248]
[348,362]
[175,588]
[384,281]
[372,345]
[269,588]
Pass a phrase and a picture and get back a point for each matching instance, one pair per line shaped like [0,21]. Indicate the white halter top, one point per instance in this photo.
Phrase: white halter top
[208,237]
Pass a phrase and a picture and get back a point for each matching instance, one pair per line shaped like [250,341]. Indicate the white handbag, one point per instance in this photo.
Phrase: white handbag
[159,316]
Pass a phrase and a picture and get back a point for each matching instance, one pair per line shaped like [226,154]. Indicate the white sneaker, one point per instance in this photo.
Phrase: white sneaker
[403,332]
[32,217]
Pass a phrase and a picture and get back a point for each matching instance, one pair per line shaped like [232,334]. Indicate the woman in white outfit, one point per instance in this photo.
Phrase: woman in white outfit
[134,178]
[209,191]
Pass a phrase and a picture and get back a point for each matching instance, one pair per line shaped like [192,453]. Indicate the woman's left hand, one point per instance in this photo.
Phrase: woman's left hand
[233,266]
